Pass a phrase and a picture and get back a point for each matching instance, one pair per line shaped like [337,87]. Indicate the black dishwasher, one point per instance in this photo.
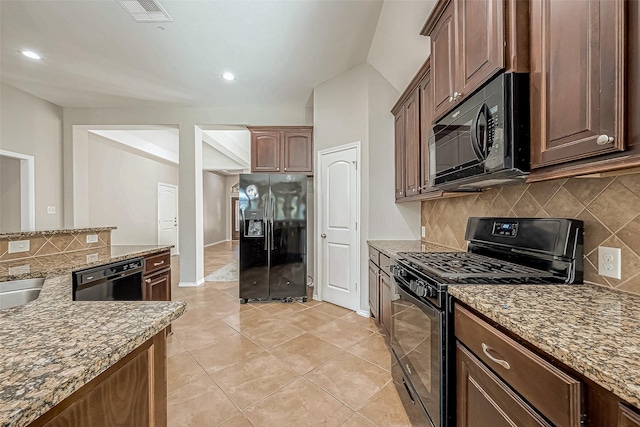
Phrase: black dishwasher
[119,281]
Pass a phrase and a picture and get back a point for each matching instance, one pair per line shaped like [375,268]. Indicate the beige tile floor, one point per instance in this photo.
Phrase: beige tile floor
[272,363]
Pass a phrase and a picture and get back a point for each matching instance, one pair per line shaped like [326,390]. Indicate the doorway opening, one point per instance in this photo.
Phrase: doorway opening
[18,186]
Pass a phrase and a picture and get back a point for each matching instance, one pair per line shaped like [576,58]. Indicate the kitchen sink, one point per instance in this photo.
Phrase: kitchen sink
[19,292]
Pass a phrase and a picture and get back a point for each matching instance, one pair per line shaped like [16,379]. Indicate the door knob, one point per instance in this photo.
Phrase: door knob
[603,139]
[323,235]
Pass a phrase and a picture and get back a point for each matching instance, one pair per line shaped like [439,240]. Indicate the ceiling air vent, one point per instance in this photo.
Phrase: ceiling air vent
[145,10]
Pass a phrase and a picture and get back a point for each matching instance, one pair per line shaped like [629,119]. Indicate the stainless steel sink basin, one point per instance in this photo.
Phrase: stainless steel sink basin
[19,292]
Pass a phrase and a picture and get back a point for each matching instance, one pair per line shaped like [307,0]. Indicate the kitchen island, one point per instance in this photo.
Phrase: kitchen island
[54,347]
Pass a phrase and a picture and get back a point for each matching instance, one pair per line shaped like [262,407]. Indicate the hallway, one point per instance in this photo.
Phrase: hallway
[272,363]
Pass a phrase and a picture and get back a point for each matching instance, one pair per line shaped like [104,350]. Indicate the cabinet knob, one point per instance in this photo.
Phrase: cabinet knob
[285,169]
[148,281]
[456,95]
[277,169]
[451,99]
[604,139]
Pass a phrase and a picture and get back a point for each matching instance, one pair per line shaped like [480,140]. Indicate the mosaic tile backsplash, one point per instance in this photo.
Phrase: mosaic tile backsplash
[50,244]
[609,207]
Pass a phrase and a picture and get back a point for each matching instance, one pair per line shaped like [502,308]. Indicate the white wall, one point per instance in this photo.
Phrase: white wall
[9,194]
[30,125]
[387,220]
[123,188]
[398,49]
[216,218]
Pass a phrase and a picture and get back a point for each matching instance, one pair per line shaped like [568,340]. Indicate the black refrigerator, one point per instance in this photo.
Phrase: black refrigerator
[273,237]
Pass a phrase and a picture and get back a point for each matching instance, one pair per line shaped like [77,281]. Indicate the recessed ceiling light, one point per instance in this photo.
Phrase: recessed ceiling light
[228,76]
[31,54]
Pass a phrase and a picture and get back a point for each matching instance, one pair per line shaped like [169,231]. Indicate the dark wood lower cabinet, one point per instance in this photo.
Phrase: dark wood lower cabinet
[484,400]
[374,291]
[385,303]
[627,417]
[133,392]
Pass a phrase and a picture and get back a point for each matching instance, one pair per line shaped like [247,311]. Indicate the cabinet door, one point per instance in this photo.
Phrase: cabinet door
[385,303]
[298,151]
[627,417]
[157,287]
[483,400]
[399,153]
[577,79]
[412,144]
[426,131]
[480,42]
[265,151]
[374,297]
[443,61]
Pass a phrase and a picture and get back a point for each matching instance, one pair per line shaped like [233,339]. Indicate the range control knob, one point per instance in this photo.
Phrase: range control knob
[431,292]
[421,289]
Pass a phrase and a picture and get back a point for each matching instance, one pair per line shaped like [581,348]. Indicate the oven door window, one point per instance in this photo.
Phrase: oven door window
[417,341]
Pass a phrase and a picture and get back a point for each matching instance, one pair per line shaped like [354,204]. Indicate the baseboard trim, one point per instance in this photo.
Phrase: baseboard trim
[216,243]
[191,284]
[363,313]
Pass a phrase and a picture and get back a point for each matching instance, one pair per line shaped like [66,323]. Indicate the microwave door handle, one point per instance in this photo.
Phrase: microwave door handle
[480,150]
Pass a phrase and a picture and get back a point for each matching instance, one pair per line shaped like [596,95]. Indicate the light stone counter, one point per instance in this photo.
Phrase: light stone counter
[594,330]
[393,247]
[52,346]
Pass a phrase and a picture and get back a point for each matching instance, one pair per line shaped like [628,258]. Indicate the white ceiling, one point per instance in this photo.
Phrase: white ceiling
[95,55]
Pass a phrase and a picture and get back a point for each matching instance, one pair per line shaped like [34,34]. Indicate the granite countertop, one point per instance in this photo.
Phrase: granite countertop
[31,233]
[52,346]
[392,247]
[63,263]
[592,329]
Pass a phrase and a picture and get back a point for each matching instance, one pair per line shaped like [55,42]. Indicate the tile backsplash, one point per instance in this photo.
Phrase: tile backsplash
[609,207]
[60,242]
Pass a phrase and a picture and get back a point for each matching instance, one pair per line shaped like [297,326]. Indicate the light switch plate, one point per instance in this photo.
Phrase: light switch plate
[92,238]
[424,231]
[19,246]
[610,262]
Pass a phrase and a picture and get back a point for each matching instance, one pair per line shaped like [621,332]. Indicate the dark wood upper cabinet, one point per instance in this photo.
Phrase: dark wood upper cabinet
[577,79]
[265,151]
[282,149]
[412,143]
[443,54]
[468,40]
[298,151]
[481,39]
[426,131]
[399,153]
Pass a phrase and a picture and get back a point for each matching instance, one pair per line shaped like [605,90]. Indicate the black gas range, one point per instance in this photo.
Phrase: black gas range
[500,251]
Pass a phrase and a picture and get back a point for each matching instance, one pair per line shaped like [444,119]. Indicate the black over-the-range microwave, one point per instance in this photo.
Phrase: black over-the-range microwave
[485,141]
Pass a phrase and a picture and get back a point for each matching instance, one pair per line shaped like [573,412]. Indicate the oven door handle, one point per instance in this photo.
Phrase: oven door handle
[429,311]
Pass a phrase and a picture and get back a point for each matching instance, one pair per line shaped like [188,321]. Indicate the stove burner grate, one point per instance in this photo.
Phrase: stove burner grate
[464,265]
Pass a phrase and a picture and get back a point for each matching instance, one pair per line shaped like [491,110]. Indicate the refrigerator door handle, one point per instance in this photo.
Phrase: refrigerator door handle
[265,223]
[273,214]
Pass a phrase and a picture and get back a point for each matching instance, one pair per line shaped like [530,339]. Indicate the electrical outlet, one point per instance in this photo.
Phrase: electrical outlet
[51,210]
[92,257]
[92,238]
[610,262]
[424,231]
[19,246]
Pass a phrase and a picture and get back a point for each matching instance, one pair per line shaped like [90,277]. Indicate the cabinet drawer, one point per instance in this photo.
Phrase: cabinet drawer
[157,262]
[374,255]
[385,262]
[551,391]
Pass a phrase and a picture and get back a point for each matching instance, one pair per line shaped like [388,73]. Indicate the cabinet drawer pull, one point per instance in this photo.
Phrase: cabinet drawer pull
[155,264]
[603,139]
[503,363]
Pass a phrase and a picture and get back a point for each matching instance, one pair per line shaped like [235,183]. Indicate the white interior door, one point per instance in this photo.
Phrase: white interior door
[338,216]
[168,216]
